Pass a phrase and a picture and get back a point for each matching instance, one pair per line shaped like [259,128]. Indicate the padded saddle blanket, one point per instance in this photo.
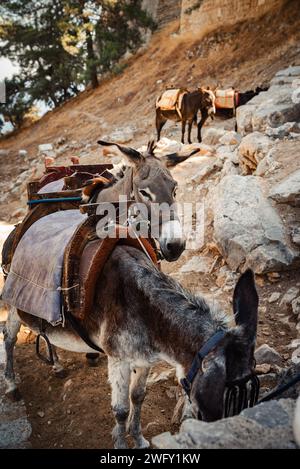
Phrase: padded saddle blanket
[225,98]
[33,284]
[170,100]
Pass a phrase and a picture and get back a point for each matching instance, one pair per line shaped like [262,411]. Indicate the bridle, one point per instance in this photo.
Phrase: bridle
[239,394]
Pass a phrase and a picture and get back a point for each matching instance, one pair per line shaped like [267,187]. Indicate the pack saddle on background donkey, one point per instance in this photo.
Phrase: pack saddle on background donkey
[82,293]
[181,105]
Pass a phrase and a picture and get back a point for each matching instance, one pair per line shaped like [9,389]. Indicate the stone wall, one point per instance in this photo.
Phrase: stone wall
[163,11]
[206,15]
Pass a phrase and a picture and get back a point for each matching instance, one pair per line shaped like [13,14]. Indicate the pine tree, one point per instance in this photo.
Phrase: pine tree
[63,45]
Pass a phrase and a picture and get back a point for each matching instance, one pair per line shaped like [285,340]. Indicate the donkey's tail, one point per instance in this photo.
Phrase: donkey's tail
[173,159]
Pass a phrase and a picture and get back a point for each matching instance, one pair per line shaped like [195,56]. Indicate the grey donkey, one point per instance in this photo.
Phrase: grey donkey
[142,316]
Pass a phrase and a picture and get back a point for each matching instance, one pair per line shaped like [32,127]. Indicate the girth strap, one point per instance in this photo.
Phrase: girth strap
[81,331]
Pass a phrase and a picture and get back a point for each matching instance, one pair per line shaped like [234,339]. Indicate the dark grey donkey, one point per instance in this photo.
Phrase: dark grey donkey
[142,316]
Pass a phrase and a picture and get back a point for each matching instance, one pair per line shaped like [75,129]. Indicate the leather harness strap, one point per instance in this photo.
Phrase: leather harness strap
[214,340]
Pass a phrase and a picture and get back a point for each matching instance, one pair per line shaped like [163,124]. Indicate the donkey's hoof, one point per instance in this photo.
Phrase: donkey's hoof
[142,444]
[121,445]
[14,395]
[93,359]
[61,374]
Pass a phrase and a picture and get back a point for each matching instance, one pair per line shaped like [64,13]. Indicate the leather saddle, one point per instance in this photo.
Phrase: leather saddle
[85,255]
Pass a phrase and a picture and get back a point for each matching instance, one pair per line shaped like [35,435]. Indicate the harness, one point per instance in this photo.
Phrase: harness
[239,394]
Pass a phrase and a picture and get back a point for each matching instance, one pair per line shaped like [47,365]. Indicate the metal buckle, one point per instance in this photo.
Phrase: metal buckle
[50,360]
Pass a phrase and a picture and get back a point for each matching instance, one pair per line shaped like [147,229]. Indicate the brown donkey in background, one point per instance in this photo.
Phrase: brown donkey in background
[202,100]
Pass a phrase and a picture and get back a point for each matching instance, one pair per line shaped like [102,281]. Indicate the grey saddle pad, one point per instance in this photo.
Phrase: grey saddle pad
[34,281]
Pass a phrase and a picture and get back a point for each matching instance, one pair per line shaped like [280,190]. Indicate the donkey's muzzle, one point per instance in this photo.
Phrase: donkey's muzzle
[171,241]
[172,250]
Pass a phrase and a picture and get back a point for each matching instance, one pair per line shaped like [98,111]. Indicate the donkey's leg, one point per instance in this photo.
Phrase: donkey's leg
[183,124]
[137,395]
[119,378]
[160,122]
[10,332]
[190,124]
[200,125]
[58,369]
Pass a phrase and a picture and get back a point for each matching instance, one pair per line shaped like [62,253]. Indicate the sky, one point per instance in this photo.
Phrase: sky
[7,68]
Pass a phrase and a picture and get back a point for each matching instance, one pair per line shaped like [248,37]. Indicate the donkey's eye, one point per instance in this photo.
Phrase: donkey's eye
[174,191]
[145,194]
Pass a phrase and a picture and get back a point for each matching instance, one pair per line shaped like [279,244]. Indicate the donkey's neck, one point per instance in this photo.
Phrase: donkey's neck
[122,187]
[179,322]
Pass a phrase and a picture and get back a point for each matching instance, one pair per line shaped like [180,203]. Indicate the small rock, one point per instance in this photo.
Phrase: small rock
[268,380]
[197,264]
[231,138]
[296,356]
[296,236]
[41,414]
[273,277]
[206,171]
[289,296]
[212,135]
[274,297]
[158,377]
[23,153]
[263,369]
[266,354]
[296,306]
[225,277]
[294,344]
[46,149]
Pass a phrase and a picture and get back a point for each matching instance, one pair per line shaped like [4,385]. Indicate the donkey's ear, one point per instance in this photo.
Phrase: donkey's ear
[151,147]
[133,157]
[245,303]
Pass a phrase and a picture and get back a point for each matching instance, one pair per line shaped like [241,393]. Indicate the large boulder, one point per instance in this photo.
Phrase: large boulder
[267,425]
[247,229]
[287,191]
[252,150]
[212,135]
[272,108]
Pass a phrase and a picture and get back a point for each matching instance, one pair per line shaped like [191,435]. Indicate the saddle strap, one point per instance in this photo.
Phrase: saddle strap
[80,330]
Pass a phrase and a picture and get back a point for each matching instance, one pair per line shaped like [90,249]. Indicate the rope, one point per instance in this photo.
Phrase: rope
[67,289]
[56,199]
[280,390]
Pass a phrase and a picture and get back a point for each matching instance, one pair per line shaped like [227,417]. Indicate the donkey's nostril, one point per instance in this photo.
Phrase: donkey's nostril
[173,249]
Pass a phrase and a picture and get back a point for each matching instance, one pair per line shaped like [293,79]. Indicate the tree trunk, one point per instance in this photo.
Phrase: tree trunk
[91,60]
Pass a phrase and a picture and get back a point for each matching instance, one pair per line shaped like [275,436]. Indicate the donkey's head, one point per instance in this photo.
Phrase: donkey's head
[231,361]
[208,100]
[154,187]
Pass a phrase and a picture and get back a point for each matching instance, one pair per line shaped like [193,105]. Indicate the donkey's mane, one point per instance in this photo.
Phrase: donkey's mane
[175,301]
